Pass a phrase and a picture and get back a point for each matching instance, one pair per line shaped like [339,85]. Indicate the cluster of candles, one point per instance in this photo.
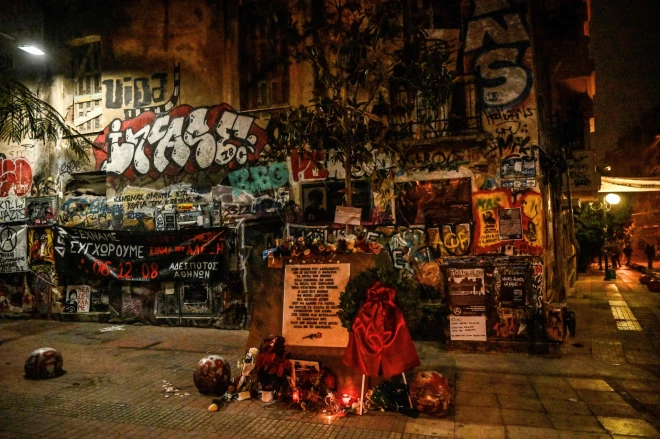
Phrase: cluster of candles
[295,396]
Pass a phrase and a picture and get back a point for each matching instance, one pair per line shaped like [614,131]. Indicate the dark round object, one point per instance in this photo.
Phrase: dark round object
[654,286]
[645,279]
[44,363]
[212,375]
[430,393]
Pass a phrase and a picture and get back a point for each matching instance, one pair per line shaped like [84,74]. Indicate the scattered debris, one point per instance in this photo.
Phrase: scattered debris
[112,328]
[169,389]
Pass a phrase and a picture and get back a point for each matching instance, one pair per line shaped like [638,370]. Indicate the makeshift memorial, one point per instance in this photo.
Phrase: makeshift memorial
[355,295]
[245,366]
[272,367]
[44,363]
[212,375]
[303,248]
[390,395]
[379,341]
[430,393]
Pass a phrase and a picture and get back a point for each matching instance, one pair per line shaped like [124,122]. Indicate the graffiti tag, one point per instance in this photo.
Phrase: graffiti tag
[183,139]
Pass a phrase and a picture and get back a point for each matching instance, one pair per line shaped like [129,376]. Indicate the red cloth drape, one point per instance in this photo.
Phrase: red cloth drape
[380,343]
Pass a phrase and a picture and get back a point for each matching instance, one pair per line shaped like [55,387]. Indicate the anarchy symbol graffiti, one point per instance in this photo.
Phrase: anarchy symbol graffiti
[8,240]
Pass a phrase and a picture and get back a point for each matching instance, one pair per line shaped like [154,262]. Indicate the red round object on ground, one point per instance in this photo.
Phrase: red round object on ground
[212,375]
[430,393]
[654,286]
[44,363]
[645,279]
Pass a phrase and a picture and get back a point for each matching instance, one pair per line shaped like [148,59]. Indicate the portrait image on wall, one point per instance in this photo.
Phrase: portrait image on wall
[77,298]
[315,205]
[434,202]
[40,244]
[320,200]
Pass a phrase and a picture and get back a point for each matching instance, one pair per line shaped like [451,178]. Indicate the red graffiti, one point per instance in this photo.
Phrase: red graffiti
[183,139]
[15,178]
[303,166]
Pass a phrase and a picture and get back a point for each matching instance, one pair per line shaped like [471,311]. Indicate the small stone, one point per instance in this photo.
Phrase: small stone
[572,399]
[213,408]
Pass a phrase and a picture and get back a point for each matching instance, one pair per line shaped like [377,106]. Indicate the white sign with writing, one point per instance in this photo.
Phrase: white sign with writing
[13,249]
[470,328]
[311,302]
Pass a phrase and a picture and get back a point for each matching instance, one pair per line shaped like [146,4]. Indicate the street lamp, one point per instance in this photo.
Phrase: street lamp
[29,48]
[32,50]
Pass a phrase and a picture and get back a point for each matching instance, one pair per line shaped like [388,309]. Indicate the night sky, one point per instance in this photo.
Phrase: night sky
[625,45]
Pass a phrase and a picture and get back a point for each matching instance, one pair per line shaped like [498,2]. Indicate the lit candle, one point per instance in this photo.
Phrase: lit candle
[346,399]
[296,395]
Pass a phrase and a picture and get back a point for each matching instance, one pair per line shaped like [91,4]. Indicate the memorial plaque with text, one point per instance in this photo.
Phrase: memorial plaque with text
[311,302]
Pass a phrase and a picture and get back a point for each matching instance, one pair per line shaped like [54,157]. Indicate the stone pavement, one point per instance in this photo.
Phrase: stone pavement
[603,383]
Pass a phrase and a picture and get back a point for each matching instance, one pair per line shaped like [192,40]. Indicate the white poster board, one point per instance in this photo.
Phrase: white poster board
[467,328]
[13,249]
[311,302]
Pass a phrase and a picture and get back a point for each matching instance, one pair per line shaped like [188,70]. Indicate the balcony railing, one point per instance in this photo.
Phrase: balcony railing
[567,132]
[459,115]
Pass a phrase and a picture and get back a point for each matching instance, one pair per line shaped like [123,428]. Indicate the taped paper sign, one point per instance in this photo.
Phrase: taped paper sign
[348,215]
[467,328]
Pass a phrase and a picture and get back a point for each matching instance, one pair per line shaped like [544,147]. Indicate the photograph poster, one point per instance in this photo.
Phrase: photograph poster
[467,292]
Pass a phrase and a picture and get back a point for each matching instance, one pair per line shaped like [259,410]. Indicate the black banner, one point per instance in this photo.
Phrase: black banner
[190,255]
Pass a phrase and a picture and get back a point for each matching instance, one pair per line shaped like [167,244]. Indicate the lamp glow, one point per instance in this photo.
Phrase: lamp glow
[612,198]
[32,50]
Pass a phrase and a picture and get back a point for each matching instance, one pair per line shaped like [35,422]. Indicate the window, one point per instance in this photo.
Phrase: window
[263,57]
[87,84]
[435,14]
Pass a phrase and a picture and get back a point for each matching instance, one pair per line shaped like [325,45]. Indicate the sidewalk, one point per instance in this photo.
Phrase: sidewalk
[603,383]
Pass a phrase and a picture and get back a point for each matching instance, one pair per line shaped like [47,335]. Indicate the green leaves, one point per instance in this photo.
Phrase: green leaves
[407,295]
[24,116]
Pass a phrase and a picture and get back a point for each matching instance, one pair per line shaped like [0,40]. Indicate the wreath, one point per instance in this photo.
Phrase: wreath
[355,295]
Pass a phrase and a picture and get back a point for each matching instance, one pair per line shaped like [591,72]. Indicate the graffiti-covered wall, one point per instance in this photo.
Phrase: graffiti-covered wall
[464,213]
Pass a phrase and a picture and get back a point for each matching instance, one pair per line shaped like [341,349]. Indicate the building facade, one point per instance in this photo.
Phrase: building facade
[175,98]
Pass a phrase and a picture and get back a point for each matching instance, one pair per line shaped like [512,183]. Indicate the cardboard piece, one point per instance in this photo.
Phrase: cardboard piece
[348,215]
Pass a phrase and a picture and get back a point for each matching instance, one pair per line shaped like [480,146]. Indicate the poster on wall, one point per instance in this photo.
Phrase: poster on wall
[190,255]
[518,167]
[311,302]
[510,223]
[500,230]
[41,211]
[434,202]
[510,323]
[40,244]
[13,249]
[78,298]
[512,288]
[467,292]
[467,328]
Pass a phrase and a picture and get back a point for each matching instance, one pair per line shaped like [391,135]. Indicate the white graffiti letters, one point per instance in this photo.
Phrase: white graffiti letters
[169,141]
